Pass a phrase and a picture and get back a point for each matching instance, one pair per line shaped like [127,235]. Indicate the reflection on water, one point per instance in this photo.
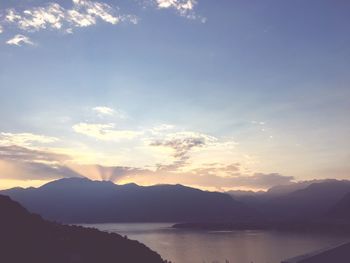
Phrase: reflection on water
[186,246]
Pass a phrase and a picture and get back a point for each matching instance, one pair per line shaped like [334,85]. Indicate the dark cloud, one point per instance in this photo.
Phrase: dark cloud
[34,171]
[18,153]
[182,145]
[22,163]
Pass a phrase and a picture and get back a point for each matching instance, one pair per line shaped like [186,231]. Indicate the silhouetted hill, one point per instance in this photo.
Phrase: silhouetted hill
[26,238]
[341,210]
[84,201]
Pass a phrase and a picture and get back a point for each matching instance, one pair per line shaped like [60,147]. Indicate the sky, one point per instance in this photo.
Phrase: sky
[219,95]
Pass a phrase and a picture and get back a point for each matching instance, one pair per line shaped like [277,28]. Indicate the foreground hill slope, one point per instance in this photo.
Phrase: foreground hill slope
[26,237]
[78,200]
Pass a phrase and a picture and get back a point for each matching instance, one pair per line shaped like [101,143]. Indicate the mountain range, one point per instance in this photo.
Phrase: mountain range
[341,210]
[80,200]
[301,201]
[322,206]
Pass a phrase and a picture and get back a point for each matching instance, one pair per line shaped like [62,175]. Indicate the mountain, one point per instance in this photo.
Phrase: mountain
[243,193]
[280,190]
[312,201]
[341,210]
[273,192]
[322,207]
[28,238]
[79,200]
[309,201]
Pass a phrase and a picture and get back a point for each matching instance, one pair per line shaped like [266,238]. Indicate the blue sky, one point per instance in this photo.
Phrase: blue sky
[213,94]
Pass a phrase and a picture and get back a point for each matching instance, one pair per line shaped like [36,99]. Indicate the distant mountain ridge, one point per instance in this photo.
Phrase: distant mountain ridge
[341,210]
[319,207]
[80,200]
[311,202]
[304,201]
[28,238]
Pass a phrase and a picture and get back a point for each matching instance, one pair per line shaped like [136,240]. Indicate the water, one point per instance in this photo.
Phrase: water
[188,246]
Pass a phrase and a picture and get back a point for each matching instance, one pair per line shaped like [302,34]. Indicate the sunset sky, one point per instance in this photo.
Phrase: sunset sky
[218,95]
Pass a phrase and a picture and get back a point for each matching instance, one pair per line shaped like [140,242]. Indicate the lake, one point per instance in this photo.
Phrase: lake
[188,246]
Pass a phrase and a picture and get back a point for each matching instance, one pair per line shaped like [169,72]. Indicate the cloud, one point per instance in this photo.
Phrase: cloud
[23,154]
[161,128]
[18,162]
[50,16]
[180,5]
[83,13]
[16,170]
[24,139]
[104,132]
[91,10]
[106,111]
[181,143]
[103,110]
[183,7]
[18,40]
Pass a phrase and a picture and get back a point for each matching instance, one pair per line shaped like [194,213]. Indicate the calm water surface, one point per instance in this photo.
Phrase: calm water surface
[187,246]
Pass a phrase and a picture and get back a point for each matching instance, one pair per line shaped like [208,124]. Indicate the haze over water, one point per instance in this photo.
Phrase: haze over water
[186,246]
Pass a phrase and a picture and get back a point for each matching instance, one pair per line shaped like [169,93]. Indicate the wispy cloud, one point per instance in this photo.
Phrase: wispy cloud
[104,132]
[103,111]
[53,16]
[24,139]
[161,128]
[24,154]
[19,40]
[34,171]
[82,13]
[181,143]
[183,7]
[185,145]
[22,163]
